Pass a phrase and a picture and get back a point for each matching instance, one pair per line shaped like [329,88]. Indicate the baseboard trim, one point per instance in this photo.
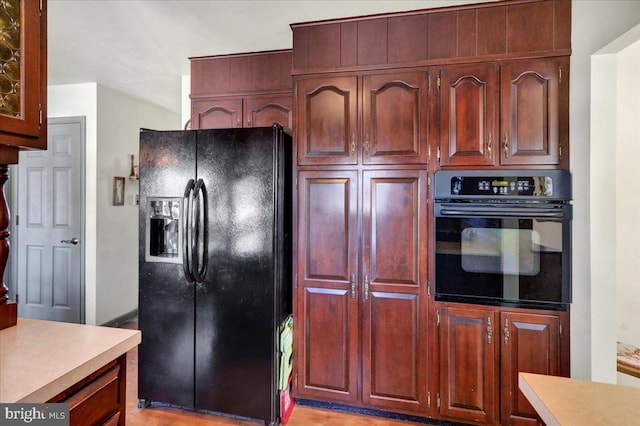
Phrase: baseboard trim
[117,322]
[375,413]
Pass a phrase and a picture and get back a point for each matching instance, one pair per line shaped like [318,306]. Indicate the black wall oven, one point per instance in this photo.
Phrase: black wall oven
[503,237]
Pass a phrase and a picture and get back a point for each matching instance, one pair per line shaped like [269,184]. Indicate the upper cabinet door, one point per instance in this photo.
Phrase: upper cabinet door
[216,114]
[395,119]
[261,111]
[326,112]
[468,115]
[23,73]
[534,107]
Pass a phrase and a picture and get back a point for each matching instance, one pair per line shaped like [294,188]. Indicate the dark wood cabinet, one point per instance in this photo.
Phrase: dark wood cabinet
[513,114]
[327,329]
[469,107]
[535,113]
[250,111]
[386,300]
[380,102]
[482,350]
[394,290]
[468,364]
[530,343]
[327,120]
[23,76]
[242,90]
[368,119]
[100,398]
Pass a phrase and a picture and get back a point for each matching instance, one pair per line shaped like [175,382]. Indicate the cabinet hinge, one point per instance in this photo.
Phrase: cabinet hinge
[560,151]
[296,284]
[428,399]
[439,81]
[428,83]
[296,181]
[438,400]
[17,298]
[561,329]
[17,220]
[296,380]
[428,181]
[40,7]
[40,116]
[428,289]
[429,153]
[438,318]
[438,155]
[559,73]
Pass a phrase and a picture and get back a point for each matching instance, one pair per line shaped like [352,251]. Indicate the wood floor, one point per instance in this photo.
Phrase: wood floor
[301,416]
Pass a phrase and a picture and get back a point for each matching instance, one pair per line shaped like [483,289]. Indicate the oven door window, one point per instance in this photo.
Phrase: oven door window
[500,259]
[500,251]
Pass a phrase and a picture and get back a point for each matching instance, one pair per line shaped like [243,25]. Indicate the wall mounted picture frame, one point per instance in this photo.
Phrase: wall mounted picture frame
[118,191]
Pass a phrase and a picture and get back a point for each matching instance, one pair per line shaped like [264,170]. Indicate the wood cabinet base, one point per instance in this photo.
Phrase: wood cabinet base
[8,315]
[100,398]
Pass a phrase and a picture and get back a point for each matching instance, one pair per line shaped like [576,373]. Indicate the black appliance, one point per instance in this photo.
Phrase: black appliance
[503,237]
[215,268]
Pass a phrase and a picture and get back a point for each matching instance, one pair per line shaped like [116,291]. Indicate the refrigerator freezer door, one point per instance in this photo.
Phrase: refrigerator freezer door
[166,299]
[235,308]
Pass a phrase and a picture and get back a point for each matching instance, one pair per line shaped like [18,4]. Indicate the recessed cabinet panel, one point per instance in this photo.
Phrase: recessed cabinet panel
[468,115]
[395,118]
[263,111]
[531,94]
[394,214]
[326,350]
[216,114]
[531,344]
[392,362]
[468,386]
[327,121]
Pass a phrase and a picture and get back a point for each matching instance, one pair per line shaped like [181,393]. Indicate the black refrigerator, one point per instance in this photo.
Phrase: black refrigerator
[215,268]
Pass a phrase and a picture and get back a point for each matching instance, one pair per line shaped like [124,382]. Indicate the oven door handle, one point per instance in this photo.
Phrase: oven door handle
[494,212]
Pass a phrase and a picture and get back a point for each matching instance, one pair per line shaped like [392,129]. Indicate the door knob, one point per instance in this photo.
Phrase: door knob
[73,241]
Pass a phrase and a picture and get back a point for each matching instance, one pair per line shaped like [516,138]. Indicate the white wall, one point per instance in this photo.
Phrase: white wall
[615,142]
[594,24]
[113,121]
[120,118]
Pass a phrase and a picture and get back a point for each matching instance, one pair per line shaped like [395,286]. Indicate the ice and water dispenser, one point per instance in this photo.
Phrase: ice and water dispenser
[164,230]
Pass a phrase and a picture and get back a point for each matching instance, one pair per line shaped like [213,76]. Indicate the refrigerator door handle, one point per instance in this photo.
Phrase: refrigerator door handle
[186,231]
[201,231]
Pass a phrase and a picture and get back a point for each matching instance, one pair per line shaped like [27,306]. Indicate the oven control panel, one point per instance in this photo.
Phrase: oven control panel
[530,186]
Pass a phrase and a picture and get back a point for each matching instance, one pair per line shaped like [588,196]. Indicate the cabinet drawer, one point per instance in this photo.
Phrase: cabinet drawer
[97,401]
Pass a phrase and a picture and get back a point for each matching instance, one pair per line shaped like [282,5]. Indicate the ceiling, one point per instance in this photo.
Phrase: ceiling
[142,47]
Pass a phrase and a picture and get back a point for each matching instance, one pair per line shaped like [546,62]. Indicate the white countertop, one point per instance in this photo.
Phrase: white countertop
[39,359]
[568,402]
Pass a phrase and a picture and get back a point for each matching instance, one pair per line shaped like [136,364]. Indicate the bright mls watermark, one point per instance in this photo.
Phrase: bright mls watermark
[34,414]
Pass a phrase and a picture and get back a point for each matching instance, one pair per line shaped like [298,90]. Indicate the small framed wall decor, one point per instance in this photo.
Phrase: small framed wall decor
[118,191]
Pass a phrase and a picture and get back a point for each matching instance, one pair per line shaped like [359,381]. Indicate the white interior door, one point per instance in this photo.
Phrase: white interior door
[50,227]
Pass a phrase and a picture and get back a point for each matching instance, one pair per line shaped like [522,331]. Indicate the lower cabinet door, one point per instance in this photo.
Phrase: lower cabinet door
[530,343]
[468,386]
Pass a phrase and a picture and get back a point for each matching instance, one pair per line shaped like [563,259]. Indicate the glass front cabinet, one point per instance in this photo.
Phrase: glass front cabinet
[23,70]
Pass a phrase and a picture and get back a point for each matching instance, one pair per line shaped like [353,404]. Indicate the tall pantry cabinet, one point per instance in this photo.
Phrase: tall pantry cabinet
[362,240]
